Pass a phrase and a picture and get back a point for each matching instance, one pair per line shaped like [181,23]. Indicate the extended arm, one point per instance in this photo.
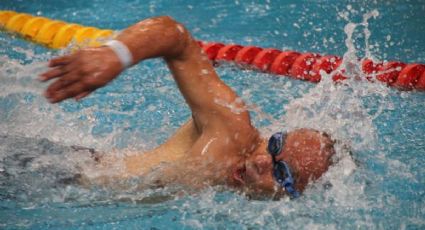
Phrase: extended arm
[210,100]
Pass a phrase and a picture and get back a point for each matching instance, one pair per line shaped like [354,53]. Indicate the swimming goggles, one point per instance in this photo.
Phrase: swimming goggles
[281,170]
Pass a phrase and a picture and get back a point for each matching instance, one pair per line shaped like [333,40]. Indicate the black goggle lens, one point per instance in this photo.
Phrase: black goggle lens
[275,144]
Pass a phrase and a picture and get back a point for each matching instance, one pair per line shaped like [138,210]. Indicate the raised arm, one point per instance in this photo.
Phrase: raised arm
[210,100]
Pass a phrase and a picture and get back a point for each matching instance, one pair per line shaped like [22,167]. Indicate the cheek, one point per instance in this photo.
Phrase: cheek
[264,182]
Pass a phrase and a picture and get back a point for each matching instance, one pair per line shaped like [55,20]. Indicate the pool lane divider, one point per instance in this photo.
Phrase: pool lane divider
[303,66]
[52,33]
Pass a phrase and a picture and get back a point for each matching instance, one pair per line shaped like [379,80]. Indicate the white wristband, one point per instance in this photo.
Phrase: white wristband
[122,51]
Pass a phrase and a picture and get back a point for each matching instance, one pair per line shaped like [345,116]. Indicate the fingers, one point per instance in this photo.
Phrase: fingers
[64,81]
[58,71]
[79,74]
[68,92]
[83,95]
[54,73]
[63,60]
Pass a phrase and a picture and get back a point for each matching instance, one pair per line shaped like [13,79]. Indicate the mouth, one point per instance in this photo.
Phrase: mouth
[239,174]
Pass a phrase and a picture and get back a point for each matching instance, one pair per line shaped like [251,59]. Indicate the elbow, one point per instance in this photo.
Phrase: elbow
[167,20]
[175,26]
[164,37]
[167,24]
[181,36]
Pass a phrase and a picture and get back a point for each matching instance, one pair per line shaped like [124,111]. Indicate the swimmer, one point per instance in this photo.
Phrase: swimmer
[218,145]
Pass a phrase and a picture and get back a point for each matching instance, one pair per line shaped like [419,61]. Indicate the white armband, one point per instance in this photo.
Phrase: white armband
[122,51]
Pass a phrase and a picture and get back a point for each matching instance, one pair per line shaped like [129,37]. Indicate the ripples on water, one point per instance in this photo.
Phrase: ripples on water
[382,187]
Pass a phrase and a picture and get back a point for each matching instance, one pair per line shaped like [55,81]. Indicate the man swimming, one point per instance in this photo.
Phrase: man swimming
[219,145]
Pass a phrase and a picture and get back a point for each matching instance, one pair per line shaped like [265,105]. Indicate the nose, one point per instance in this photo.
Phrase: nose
[262,163]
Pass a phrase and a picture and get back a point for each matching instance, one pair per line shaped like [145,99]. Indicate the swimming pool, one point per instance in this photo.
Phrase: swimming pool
[384,127]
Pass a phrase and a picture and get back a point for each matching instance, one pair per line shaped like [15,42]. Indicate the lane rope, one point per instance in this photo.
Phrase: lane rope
[303,66]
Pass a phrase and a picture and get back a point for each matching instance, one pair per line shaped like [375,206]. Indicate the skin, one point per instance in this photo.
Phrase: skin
[219,145]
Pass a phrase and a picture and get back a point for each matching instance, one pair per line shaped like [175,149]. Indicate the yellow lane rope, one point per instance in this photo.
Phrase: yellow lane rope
[52,33]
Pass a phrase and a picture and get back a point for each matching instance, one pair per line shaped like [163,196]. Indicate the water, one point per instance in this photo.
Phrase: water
[382,188]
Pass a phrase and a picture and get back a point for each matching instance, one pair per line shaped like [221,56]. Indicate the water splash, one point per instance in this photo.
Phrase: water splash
[37,164]
[346,111]
[342,110]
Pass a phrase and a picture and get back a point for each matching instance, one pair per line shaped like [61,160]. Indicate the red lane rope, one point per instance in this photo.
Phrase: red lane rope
[307,66]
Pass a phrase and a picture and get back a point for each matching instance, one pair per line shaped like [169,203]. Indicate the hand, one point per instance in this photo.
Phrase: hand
[81,73]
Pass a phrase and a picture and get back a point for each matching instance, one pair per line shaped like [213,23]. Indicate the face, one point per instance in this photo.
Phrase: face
[253,175]
[259,174]
[307,152]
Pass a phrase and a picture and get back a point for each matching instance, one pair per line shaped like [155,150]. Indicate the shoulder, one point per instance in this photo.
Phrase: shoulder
[234,137]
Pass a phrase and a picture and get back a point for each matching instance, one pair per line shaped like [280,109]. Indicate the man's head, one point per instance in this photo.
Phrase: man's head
[307,153]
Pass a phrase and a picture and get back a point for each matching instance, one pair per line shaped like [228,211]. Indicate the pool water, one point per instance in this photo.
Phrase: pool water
[382,187]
